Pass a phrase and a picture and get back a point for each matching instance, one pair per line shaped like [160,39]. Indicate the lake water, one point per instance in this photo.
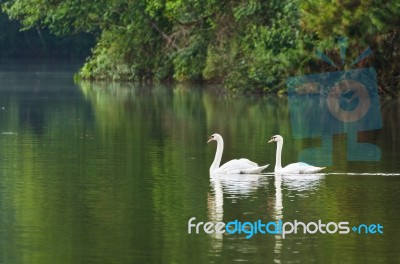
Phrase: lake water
[112,173]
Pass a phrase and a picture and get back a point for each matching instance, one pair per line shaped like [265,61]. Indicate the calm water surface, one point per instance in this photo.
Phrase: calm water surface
[108,173]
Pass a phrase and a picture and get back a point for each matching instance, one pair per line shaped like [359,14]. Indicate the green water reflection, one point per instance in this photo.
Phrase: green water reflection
[111,173]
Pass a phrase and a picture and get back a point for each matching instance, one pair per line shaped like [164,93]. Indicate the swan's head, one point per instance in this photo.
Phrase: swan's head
[214,137]
[276,138]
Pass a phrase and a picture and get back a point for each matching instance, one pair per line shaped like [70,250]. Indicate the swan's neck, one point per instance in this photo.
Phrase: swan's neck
[218,155]
[278,164]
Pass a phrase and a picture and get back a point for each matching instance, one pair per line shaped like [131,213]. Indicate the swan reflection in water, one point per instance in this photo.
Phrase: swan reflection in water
[235,186]
[299,182]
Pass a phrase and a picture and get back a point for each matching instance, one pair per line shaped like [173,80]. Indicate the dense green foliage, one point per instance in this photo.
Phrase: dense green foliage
[364,23]
[246,45]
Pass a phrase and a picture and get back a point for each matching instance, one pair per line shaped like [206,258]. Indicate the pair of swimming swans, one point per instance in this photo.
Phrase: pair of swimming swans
[245,166]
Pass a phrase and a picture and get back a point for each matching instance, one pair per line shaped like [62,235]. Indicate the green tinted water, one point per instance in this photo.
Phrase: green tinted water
[96,173]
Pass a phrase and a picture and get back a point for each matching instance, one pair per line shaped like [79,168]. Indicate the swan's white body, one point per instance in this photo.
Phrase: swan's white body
[293,168]
[236,166]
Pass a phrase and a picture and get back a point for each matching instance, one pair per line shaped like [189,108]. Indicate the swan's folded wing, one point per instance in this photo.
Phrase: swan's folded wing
[254,170]
[241,166]
[232,165]
[301,168]
[251,163]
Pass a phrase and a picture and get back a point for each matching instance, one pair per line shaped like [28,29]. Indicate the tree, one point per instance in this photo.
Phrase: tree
[363,23]
[249,46]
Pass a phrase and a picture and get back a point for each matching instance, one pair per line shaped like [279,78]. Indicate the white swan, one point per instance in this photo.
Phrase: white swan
[236,166]
[294,168]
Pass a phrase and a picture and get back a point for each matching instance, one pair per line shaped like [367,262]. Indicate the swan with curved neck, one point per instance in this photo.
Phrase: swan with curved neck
[293,168]
[236,166]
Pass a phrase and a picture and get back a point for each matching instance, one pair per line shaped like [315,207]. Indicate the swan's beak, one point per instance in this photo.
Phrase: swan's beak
[210,139]
[272,140]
